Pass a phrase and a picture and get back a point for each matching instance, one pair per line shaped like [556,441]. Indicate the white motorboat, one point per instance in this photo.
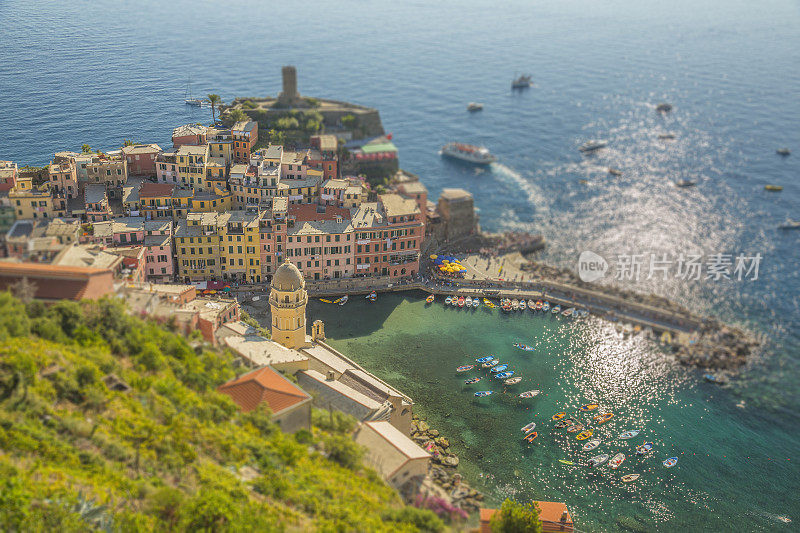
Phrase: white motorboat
[474,106]
[469,153]
[591,146]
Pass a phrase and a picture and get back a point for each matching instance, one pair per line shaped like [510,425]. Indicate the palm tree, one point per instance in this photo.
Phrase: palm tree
[86,148]
[214,99]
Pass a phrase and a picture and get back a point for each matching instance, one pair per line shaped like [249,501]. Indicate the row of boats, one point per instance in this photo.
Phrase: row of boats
[499,371]
[508,304]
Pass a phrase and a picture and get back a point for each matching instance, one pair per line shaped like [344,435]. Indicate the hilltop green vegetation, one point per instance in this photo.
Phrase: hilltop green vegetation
[111,422]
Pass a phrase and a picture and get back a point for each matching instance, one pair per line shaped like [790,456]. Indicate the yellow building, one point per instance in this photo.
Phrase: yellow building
[197,247]
[240,242]
[216,199]
[287,302]
[192,161]
[220,144]
[36,203]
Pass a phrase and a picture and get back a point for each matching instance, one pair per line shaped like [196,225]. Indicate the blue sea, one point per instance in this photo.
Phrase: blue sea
[100,73]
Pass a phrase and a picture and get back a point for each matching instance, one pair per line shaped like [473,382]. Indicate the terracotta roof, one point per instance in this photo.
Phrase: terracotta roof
[264,385]
[550,516]
[54,282]
[150,190]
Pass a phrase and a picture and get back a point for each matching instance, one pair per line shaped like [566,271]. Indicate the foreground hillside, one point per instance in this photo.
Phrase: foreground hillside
[112,422]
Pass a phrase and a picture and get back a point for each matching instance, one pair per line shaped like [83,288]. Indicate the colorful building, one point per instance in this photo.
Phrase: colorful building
[141,159]
[95,201]
[190,134]
[63,177]
[245,137]
[155,200]
[110,169]
[8,175]
[36,203]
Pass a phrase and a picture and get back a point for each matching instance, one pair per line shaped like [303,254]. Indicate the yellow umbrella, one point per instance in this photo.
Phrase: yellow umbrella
[434,256]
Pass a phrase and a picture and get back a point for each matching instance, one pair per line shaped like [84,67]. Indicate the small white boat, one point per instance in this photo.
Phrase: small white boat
[568,312]
[474,106]
[468,301]
[790,224]
[515,304]
[556,309]
[469,153]
[591,146]
[597,460]
[685,183]
[522,305]
[616,460]
[545,307]
[592,444]
[512,381]
[531,305]
[530,394]
[343,299]
[529,427]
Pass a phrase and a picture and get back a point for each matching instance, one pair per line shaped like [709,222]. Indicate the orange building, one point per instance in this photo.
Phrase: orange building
[54,282]
[245,137]
[554,516]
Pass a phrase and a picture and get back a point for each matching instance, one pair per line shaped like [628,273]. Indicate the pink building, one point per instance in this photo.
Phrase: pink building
[141,159]
[190,134]
[159,266]
[167,167]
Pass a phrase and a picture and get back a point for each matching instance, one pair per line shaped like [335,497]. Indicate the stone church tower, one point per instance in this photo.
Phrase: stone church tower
[287,302]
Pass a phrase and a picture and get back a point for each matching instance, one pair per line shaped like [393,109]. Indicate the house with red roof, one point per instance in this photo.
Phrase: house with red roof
[554,516]
[290,405]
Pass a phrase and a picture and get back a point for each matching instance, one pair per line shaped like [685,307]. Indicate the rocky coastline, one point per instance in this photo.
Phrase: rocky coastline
[714,345]
[444,465]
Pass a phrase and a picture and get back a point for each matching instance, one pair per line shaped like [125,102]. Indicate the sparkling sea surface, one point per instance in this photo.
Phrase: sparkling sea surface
[99,73]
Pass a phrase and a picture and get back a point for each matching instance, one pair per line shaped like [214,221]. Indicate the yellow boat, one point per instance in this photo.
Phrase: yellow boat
[583,435]
[325,301]
[559,416]
[488,303]
[774,188]
[429,299]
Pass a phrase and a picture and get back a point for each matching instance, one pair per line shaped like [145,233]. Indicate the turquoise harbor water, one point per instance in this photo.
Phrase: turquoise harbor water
[736,464]
[73,74]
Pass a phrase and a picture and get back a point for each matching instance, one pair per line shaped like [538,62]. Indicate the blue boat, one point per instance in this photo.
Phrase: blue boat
[504,375]
[711,378]
[522,346]
[484,359]
[629,434]
[669,463]
[482,393]
[499,368]
[644,448]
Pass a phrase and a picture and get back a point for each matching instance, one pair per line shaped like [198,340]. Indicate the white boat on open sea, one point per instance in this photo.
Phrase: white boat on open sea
[469,153]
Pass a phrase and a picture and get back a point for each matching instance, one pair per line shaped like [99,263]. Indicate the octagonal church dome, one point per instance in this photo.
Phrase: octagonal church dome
[287,278]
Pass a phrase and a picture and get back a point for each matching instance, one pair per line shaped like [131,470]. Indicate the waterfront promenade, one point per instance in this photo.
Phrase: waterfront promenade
[599,303]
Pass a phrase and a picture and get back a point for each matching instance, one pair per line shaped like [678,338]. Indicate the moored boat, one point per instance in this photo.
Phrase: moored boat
[429,299]
[591,445]
[474,106]
[522,82]
[522,346]
[545,307]
[602,419]
[529,427]
[589,407]
[470,381]
[343,300]
[565,423]
[464,368]
[669,463]
[559,416]
[522,305]
[484,359]
[591,146]
[490,363]
[583,435]
[499,368]
[532,305]
[556,309]
[468,301]
[629,434]
[447,300]
[529,394]
[645,448]
[568,312]
[530,437]
[372,296]
[488,303]
[515,304]
[574,428]
[616,460]
[461,301]
[504,375]
[482,393]
[630,477]
[597,460]
[512,381]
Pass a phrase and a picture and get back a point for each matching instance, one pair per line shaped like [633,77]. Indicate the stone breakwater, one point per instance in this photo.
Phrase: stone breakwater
[711,344]
[445,462]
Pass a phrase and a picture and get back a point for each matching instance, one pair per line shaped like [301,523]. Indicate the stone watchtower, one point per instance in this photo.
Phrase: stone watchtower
[287,302]
[289,96]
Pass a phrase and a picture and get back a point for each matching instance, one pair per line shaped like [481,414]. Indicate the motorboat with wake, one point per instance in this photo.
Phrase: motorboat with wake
[592,146]
[477,155]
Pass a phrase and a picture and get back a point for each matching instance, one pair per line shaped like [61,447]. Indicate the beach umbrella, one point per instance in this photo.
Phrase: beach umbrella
[434,256]
[226,288]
